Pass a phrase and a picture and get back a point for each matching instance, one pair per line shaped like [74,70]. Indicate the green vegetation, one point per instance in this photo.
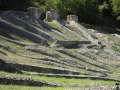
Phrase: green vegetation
[101,12]
[37,60]
[14,87]
[116,6]
[65,34]
[61,80]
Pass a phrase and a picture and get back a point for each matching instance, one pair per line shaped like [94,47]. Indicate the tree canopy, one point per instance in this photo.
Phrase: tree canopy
[89,11]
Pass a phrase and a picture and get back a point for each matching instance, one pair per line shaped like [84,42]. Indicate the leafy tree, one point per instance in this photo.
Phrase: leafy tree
[89,11]
[85,9]
[105,9]
[116,6]
[39,3]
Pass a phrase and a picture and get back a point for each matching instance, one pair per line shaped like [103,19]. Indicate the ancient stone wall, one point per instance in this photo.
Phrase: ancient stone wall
[71,19]
[72,44]
[25,81]
[34,12]
[52,15]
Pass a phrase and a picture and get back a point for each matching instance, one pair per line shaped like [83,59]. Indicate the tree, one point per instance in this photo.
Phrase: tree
[116,6]
[85,9]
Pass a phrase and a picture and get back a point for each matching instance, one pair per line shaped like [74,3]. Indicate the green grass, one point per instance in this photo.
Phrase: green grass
[78,82]
[23,56]
[68,35]
[62,80]
[55,25]
[14,87]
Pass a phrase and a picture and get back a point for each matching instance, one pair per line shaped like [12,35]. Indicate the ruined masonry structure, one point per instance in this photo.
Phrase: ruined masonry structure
[71,19]
[52,15]
[34,13]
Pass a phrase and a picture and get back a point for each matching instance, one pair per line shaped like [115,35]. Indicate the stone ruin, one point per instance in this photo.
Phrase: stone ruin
[34,13]
[78,44]
[71,44]
[52,15]
[71,19]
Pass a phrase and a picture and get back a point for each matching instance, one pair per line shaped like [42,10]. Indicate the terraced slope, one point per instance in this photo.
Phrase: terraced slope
[25,47]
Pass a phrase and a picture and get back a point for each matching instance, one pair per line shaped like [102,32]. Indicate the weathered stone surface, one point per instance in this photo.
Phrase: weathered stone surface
[116,35]
[72,19]
[52,15]
[93,65]
[6,27]
[92,46]
[4,66]
[72,44]
[34,13]
[26,81]
[44,69]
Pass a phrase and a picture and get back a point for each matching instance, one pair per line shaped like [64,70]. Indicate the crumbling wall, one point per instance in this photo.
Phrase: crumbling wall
[71,19]
[52,15]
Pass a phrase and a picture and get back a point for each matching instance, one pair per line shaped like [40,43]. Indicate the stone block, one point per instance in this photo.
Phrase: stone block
[34,12]
[52,15]
[72,19]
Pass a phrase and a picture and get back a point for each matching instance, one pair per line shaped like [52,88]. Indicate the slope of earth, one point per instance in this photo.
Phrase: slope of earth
[29,48]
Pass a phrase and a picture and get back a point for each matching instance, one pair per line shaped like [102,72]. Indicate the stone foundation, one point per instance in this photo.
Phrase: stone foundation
[52,15]
[72,19]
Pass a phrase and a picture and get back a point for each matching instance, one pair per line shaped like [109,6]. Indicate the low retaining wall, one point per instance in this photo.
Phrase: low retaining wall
[72,44]
[10,67]
[25,81]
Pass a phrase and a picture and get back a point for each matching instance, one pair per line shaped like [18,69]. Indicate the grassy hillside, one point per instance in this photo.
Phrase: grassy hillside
[28,50]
